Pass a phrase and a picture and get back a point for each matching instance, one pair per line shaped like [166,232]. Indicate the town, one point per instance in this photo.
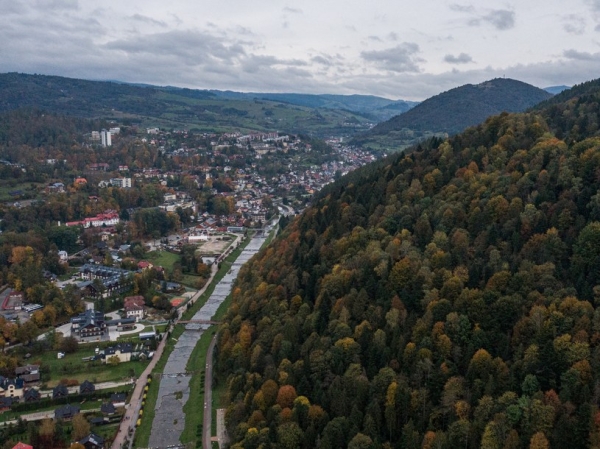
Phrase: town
[139,238]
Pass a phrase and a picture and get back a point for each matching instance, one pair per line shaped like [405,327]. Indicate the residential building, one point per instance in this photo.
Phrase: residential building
[121,182]
[92,441]
[106,138]
[60,391]
[89,325]
[67,412]
[86,387]
[31,395]
[11,388]
[20,445]
[135,307]
[108,218]
[29,373]
[122,351]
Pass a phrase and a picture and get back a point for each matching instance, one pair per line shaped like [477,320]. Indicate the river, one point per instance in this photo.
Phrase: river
[174,390]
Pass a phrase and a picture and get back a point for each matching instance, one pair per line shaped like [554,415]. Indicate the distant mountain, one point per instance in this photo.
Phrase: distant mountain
[556,89]
[453,111]
[201,110]
[376,108]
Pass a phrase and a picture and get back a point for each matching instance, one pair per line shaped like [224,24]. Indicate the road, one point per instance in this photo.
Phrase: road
[207,430]
[133,409]
[127,427]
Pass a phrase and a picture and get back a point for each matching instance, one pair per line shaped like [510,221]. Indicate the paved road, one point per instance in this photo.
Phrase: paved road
[128,421]
[207,430]
[133,409]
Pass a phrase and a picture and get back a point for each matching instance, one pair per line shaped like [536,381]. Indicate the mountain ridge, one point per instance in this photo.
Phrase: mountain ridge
[456,109]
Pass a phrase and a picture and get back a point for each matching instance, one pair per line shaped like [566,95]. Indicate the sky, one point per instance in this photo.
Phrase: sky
[396,49]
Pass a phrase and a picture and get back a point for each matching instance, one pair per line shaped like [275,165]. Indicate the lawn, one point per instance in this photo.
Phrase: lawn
[164,259]
[72,367]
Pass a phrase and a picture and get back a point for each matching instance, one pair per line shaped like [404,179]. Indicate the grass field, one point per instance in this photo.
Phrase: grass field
[72,367]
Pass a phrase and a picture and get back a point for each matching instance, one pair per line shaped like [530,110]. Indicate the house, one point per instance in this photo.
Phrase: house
[89,324]
[15,299]
[31,395]
[86,387]
[144,265]
[92,441]
[6,404]
[11,388]
[118,399]
[20,445]
[108,408]
[67,412]
[29,373]
[60,391]
[63,257]
[122,351]
[135,307]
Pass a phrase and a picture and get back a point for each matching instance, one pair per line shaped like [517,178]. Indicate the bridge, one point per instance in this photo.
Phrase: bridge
[197,322]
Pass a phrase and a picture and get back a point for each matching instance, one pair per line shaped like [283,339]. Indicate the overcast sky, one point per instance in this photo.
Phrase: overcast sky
[391,48]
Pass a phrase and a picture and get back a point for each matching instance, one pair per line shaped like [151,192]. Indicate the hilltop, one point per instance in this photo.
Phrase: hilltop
[440,298]
[453,111]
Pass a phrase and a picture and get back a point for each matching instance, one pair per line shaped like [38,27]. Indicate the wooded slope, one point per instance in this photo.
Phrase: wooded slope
[446,298]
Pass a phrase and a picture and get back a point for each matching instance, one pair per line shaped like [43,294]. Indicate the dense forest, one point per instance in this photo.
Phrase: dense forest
[455,110]
[441,298]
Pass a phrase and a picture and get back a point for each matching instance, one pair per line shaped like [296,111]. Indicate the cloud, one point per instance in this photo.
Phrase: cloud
[573,24]
[287,9]
[462,8]
[401,58]
[581,55]
[148,20]
[322,60]
[57,4]
[594,4]
[462,58]
[502,19]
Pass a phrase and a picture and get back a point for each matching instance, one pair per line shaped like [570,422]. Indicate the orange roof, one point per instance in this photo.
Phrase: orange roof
[20,445]
[175,302]
[80,181]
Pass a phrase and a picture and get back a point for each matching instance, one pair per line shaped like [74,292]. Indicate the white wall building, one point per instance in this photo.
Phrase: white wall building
[105,137]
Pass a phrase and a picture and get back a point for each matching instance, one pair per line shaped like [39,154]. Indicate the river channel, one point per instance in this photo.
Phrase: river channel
[174,390]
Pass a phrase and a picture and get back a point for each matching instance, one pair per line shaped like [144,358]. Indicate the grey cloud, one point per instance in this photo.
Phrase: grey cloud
[287,9]
[594,4]
[581,55]
[401,58]
[197,47]
[322,60]
[54,5]
[462,58]
[375,38]
[393,36]
[12,7]
[462,8]
[502,19]
[148,20]
[573,24]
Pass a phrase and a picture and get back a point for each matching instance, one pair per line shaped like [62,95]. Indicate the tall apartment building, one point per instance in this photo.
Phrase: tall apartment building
[105,136]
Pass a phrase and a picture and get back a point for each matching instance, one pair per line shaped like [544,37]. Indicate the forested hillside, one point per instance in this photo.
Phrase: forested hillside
[446,298]
[455,110]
